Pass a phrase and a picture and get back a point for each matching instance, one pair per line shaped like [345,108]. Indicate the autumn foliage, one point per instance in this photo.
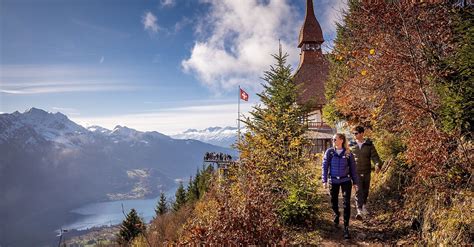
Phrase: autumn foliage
[405,71]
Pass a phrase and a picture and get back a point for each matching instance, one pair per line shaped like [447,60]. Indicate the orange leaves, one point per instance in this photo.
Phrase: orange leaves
[383,61]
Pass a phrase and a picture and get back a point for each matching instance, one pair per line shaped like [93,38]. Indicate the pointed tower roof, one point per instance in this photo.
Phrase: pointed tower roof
[312,71]
[311,30]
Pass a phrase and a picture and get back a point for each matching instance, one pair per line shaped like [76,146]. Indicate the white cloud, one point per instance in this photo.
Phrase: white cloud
[41,71]
[182,24]
[40,79]
[101,60]
[167,3]
[150,22]
[63,87]
[172,120]
[237,38]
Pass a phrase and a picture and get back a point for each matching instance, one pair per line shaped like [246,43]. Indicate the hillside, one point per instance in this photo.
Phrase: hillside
[50,165]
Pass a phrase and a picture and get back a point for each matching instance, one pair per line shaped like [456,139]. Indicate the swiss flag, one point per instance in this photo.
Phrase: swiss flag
[244,95]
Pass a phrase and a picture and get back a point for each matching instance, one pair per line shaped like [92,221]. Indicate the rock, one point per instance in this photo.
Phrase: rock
[379,236]
[361,236]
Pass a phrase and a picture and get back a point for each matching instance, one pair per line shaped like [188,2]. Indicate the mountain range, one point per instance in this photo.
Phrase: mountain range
[50,165]
[220,136]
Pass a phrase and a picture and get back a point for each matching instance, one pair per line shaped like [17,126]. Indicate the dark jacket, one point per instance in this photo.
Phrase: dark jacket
[364,155]
[340,168]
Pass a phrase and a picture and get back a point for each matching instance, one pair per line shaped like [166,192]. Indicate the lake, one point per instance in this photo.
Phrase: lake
[110,213]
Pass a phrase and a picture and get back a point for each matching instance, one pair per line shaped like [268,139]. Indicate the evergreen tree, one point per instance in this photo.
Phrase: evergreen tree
[180,197]
[275,141]
[339,71]
[456,85]
[192,192]
[276,147]
[131,227]
[204,179]
[161,207]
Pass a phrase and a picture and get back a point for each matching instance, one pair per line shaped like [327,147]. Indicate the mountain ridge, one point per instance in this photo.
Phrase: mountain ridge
[50,165]
[220,136]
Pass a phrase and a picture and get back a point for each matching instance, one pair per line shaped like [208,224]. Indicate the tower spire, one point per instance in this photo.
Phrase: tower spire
[311,30]
[309,8]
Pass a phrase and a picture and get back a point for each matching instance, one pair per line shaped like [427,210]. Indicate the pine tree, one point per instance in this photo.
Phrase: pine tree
[275,141]
[180,197]
[192,192]
[276,145]
[161,207]
[131,227]
[204,180]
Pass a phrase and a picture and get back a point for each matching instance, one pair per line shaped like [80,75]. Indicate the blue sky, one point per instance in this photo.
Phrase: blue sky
[164,65]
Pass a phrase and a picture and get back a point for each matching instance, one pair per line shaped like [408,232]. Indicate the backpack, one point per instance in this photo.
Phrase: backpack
[331,154]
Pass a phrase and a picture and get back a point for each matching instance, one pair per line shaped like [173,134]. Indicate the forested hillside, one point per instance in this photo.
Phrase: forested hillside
[403,71]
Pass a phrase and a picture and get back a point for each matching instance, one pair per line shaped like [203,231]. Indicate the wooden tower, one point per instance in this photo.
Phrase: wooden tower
[311,77]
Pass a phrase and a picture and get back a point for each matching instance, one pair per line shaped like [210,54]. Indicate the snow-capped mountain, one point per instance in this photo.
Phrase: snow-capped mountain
[48,162]
[98,129]
[36,126]
[219,136]
[54,127]
[123,133]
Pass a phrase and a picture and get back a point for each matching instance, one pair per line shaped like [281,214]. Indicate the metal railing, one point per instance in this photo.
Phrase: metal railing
[314,125]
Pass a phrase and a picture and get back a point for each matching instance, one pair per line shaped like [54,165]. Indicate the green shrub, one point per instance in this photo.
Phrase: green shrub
[297,208]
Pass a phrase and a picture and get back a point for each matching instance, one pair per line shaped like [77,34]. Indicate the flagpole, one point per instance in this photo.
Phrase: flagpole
[238,117]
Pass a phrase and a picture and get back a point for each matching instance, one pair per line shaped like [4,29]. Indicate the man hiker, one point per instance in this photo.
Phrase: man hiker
[364,152]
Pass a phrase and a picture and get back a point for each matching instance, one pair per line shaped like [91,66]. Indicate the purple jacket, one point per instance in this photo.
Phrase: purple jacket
[341,168]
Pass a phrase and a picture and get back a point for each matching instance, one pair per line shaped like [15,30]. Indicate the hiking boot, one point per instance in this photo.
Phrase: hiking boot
[359,214]
[346,233]
[364,210]
[336,221]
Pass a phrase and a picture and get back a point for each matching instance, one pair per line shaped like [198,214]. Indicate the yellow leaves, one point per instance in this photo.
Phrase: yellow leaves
[295,143]
[206,209]
[363,72]
[269,118]
[376,111]
[339,58]
[372,51]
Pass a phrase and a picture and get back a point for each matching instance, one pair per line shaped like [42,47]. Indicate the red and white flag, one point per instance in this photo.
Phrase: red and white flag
[244,95]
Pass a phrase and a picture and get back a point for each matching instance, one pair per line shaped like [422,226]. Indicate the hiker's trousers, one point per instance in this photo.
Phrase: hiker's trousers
[346,188]
[363,192]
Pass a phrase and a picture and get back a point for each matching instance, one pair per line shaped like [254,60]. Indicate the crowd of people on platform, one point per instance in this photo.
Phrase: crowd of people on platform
[213,156]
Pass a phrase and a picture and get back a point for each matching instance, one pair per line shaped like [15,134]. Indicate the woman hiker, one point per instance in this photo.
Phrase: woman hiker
[339,164]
